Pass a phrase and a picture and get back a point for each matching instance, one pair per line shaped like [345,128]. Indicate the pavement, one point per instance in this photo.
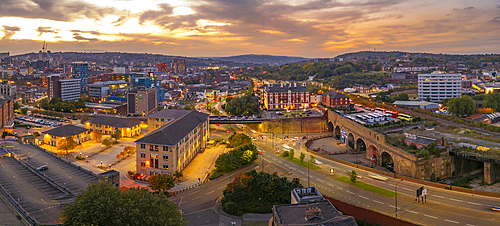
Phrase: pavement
[8,215]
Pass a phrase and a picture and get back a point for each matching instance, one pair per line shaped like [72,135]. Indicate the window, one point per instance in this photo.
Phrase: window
[165,157]
[143,146]
[153,160]
[165,166]
[165,148]
[143,154]
[143,163]
[157,148]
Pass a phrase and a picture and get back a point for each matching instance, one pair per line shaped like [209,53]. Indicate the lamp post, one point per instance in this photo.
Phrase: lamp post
[396,193]
[101,164]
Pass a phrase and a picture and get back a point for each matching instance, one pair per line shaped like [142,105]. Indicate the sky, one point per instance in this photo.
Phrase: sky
[204,28]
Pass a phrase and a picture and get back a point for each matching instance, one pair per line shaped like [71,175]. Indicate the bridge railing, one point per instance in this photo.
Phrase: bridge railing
[473,157]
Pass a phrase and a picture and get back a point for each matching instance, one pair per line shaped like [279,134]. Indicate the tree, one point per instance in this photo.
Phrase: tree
[403,97]
[492,101]
[353,176]
[178,175]
[106,143]
[105,204]
[161,182]
[302,156]
[24,110]
[80,104]
[84,119]
[116,135]
[129,150]
[119,155]
[312,160]
[292,153]
[462,106]
[96,135]
[66,144]
[17,105]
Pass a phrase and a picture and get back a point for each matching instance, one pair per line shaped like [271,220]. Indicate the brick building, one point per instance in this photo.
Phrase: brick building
[285,96]
[335,99]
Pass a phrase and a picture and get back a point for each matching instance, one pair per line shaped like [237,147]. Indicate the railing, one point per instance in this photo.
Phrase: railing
[473,157]
[17,207]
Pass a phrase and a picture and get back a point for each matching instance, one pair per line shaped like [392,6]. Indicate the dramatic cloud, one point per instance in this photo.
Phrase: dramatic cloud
[42,30]
[62,10]
[9,31]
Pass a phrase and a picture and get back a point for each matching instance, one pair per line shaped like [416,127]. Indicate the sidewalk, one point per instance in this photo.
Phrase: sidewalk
[197,171]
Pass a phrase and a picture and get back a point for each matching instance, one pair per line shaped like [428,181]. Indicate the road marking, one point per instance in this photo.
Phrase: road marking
[456,200]
[473,203]
[439,196]
[391,184]
[321,180]
[363,197]
[407,189]
[15,177]
[411,211]
[351,192]
[451,221]
[394,207]
[221,187]
[330,184]
[339,188]
[378,202]
[43,201]
[210,192]
[196,198]
[470,225]
[430,216]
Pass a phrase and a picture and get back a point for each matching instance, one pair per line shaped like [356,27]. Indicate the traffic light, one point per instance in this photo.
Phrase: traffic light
[332,171]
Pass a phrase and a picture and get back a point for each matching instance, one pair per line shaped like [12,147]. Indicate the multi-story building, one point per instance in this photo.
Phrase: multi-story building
[141,101]
[108,125]
[100,90]
[8,89]
[66,89]
[179,66]
[335,99]
[439,86]
[286,96]
[171,147]
[6,112]
[79,71]
[149,82]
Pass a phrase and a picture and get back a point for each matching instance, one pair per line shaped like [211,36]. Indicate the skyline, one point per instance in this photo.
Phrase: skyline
[212,28]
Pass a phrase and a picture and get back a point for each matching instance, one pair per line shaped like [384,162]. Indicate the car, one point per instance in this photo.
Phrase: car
[260,152]
[303,137]
[42,168]
[295,139]
[377,177]
[227,131]
[495,208]
[69,117]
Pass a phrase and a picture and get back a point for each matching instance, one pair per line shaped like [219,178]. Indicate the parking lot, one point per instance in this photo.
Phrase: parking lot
[58,170]
[41,200]
[39,121]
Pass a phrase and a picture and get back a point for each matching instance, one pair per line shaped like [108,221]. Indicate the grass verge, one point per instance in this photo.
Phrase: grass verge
[368,187]
[304,164]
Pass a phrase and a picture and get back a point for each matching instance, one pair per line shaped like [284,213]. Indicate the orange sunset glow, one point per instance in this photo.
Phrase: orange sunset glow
[317,28]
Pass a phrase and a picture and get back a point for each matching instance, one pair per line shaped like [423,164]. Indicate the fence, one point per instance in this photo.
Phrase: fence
[205,180]
[397,176]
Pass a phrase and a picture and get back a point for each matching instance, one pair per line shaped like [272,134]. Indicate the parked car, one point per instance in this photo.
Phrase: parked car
[42,168]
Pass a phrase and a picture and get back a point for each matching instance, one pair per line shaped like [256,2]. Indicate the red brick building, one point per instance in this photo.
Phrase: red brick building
[286,96]
[335,99]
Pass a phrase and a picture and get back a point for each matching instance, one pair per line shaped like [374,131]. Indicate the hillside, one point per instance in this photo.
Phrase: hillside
[261,59]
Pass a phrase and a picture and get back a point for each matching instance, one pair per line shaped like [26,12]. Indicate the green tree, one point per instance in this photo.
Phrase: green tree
[462,106]
[312,160]
[353,176]
[403,97]
[84,119]
[116,135]
[178,175]
[106,143]
[80,104]
[17,106]
[24,110]
[161,182]
[292,153]
[492,101]
[66,144]
[242,105]
[96,135]
[302,156]
[105,204]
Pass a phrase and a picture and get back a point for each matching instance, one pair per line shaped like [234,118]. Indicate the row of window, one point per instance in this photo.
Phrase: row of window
[143,155]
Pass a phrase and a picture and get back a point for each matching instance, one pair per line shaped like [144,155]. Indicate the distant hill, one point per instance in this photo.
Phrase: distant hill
[261,59]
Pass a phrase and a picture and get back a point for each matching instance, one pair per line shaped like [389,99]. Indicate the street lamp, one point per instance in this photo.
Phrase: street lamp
[396,193]
[101,164]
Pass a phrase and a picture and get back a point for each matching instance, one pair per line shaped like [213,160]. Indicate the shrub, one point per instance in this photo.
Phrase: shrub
[285,154]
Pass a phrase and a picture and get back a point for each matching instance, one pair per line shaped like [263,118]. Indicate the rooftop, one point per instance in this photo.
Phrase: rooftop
[174,131]
[170,113]
[334,95]
[413,103]
[114,121]
[278,88]
[66,131]
[296,214]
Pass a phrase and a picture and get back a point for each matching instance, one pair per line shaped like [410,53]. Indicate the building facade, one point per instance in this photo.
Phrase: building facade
[439,86]
[53,136]
[108,125]
[7,112]
[286,96]
[8,89]
[79,71]
[171,147]
[335,99]
[142,101]
[66,89]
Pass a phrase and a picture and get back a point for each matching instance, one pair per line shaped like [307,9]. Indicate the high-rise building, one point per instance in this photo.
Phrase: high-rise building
[438,86]
[66,89]
[142,101]
[79,71]
[149,82]
[8,89]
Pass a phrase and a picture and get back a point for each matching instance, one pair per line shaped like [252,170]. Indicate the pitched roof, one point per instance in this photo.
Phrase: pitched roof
[174,131]
[334,95]
[277,88]
[66,131]
[169,113]
[114,121]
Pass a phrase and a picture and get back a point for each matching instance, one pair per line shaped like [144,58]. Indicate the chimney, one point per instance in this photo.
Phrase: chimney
[281,85]
[312,213]
[295,85]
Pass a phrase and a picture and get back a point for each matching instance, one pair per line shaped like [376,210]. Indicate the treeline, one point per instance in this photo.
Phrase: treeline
[348,80]
[62,106]
[244,152]
[241,105]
